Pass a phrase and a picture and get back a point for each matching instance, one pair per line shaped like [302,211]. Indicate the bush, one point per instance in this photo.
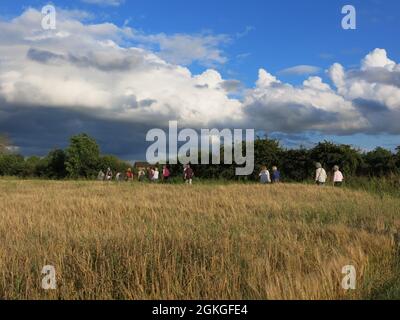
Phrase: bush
[83,157]
[11,165]
[82,160]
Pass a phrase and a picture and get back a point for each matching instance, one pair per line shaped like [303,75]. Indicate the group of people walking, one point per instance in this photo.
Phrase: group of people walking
[106,176]
[266,177]
[152,174]
[321,176]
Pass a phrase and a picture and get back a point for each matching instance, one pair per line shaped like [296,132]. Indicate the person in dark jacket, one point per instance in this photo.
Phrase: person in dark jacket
[276,175]
[188,174]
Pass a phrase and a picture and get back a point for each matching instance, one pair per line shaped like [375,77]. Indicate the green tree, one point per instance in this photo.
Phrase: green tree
[56,164]
[296,164]
[11,164]
[330,154]
[380,162]
[41,169]
[267,152]
[114,163]
[398,158]
[30,166]
[83,155]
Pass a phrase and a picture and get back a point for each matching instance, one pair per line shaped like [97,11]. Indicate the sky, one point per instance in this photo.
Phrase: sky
[116,69]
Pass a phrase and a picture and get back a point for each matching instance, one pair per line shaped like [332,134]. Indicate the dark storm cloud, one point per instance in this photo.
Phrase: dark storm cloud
[231,85]
[36,130]
[121,64]
[377,75]
[381,118]
[288,117]
[91,60]
[43,56]
[292,140]
[369,107]
[147,102]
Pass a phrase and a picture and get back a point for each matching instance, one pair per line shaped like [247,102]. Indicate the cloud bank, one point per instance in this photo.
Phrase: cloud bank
[93,76]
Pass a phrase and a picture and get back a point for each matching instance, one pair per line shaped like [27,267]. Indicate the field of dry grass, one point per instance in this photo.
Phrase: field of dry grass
[133,241]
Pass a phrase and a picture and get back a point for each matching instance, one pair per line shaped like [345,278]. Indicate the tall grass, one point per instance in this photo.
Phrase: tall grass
[152,241]
[378,185]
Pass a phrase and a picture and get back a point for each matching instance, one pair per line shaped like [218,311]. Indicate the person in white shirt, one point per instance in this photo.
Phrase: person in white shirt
[101,175]
[337,177]
[320,174]
[156,175]
[109,174]
[265,176]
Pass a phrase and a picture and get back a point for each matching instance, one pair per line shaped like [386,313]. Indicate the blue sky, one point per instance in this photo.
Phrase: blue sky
[249,35]
[271,34]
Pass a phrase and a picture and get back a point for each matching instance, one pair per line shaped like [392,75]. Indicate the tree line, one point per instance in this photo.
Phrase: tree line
[299,164]
[82,159]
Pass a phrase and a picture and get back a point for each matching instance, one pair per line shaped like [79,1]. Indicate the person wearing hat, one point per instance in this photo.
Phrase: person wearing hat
[320,174]
[337,177]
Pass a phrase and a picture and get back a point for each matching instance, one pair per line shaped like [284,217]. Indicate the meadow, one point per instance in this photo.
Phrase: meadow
[207,241]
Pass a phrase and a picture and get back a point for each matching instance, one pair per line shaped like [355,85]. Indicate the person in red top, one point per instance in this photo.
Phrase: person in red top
[129,175]
[188,174]
[166,174]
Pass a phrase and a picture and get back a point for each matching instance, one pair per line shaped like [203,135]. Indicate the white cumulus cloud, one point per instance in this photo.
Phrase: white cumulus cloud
[114,3]
[93,69]
[301,70]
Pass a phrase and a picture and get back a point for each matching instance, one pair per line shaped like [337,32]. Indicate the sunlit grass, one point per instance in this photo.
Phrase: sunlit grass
[143,241]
